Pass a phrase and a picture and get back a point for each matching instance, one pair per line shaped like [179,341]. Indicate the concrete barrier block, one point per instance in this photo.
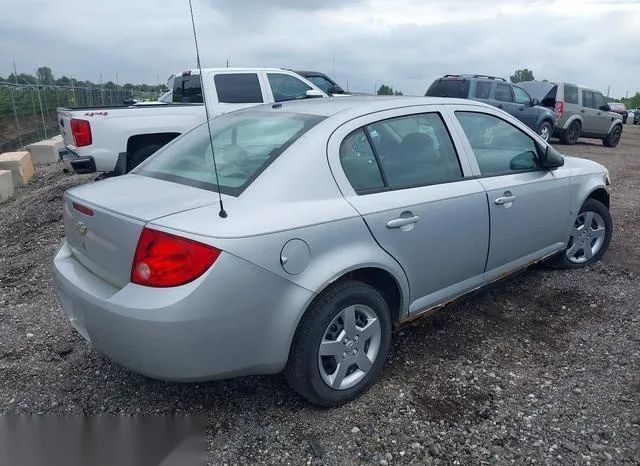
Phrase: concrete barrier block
[6,185]
[45,152]
[20,165]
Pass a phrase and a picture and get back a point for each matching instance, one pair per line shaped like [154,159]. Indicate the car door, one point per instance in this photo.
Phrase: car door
[602,119]
[529,206]
[503,98]
[526,113]
[589,113]
[404,176]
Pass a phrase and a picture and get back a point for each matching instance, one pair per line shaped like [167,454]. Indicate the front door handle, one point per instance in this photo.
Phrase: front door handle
[402,221]
[505,200]
[499,105]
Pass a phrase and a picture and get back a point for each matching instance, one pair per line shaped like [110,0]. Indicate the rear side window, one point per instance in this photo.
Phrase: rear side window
[570,94]
[412,151]
[444,87]
[483,90]
[187,89]
[244,143]
[503,93]
[238,88]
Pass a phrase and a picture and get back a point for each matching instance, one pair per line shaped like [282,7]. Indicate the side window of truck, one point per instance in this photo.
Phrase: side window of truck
[238,88]
[286,87]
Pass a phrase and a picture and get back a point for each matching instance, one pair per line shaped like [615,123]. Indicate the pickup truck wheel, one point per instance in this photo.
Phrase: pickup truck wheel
[613,138]
[571,134]
[590,237]
[340,345]
[140,155]
[544,130]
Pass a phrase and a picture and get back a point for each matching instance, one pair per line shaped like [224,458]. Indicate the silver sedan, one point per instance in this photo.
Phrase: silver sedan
[318,227]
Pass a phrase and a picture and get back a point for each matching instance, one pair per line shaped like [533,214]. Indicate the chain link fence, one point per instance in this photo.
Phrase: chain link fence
[28,112]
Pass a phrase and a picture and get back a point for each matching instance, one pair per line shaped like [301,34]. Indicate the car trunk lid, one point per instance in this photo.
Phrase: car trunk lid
[103,224]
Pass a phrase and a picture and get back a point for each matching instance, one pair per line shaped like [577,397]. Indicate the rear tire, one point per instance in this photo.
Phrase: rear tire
[590,237]
[140,155]
[571,135]
[351,320]
[613,138]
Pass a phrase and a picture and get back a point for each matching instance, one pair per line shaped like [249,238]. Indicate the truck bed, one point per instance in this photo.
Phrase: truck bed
[123,107]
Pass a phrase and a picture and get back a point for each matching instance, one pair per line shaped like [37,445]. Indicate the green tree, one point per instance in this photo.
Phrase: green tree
[397,93]
[385,90]
[634,102]
[44,75]
[521,75]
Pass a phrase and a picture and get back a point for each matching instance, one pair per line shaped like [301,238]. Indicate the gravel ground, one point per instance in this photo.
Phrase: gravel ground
[542,369]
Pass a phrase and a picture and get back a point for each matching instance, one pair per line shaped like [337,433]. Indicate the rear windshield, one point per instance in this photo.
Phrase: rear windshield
[458,88]
[244,144]
[187,89]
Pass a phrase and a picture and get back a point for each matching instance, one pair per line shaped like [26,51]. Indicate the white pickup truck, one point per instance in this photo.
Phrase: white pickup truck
[113,140]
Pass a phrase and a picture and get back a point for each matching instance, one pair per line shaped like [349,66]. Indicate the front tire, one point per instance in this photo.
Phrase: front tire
[340,345]
[590,237]
[613,138]
[544,130]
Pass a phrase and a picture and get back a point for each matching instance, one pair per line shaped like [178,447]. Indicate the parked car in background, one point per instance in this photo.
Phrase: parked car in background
[114,140]
[579,112]
[342,219]
[324,82]
[636,116]
[621,109]
[499,93]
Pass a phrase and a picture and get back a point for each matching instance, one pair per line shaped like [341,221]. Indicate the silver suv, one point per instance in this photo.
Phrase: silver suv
[579,111]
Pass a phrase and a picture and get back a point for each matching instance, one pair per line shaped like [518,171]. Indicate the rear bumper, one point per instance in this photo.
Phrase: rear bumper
[209,329]
[76,164]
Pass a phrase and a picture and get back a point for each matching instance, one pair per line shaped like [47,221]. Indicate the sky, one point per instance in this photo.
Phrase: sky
[361,43]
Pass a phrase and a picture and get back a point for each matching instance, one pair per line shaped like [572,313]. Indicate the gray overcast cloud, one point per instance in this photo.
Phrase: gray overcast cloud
[403,43]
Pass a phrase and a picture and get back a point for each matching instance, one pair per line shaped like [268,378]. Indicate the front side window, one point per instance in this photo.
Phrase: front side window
[587,99]
[238,88]
[521,96]
[287,87]
[244,144]
[499,147]
[600,101]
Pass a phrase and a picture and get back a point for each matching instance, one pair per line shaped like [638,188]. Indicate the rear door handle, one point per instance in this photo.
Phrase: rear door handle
[505,200]
[583,111]
[400,222]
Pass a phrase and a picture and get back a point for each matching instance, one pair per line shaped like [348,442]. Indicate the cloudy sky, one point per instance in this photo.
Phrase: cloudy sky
[363,43]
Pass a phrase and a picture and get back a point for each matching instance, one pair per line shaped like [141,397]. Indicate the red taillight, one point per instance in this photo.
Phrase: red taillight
[83,209]
[81,131]
[164,260]
[559,109]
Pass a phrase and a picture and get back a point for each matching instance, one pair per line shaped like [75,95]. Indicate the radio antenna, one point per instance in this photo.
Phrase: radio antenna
[222,212]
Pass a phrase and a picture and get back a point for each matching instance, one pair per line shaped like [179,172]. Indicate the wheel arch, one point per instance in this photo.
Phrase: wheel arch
[141,140]
[571,120]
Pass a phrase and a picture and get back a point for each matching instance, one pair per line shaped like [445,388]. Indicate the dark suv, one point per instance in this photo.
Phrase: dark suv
[499,93]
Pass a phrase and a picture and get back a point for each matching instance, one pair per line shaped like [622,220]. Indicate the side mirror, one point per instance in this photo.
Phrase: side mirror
[312,93]
[535,102]
[552,159]
[605,108]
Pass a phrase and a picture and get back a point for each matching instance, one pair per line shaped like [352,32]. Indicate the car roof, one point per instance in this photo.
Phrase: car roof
[358,104]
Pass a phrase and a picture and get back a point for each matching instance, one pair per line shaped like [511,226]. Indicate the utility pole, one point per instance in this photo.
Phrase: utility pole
[227,63]
[334,66]
[608,89]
